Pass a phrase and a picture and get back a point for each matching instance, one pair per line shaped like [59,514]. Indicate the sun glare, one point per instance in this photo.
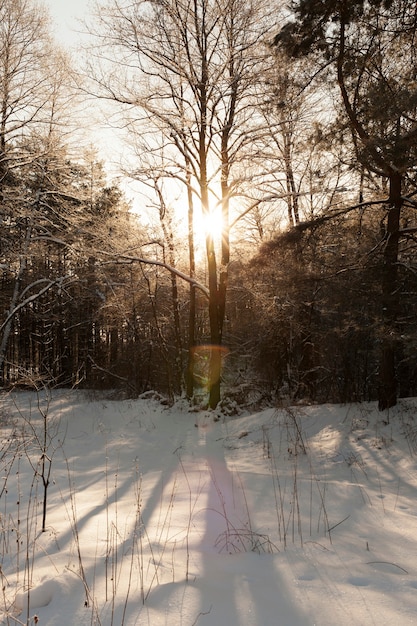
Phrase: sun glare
[211,224]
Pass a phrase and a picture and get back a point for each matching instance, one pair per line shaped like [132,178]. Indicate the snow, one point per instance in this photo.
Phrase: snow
[156,515]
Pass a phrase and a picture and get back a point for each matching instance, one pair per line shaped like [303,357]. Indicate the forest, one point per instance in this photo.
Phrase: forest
[269,252]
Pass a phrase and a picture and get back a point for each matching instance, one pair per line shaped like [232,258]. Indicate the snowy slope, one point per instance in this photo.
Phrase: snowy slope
[160,516]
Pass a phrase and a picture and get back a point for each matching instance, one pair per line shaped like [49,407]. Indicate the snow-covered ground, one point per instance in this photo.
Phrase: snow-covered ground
[162,516]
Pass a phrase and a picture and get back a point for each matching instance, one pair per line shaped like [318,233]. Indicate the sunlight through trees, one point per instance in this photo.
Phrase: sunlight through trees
[269,249]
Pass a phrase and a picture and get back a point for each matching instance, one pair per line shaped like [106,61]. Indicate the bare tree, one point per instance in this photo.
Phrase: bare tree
[25,77]
[189,73]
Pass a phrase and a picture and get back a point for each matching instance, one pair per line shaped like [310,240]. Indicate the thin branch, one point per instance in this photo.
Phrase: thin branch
[125,258]
[31,298]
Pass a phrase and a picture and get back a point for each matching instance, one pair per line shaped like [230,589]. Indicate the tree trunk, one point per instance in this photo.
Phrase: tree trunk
[292,200]
[387,393]
[214,315]
[191,345]
[189,383]
[215,324]
[7,326]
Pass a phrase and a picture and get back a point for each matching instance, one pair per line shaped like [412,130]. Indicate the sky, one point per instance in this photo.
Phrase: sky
[65,14]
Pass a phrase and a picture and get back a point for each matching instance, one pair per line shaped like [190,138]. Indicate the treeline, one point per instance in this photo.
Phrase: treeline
[309,293]
[303,318]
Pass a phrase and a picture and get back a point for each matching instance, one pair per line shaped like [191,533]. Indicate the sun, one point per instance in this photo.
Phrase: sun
[210,224]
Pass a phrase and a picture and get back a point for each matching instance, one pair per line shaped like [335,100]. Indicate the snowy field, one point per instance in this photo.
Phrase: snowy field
[161,516]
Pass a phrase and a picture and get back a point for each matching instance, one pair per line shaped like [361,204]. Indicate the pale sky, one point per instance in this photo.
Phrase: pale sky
[66,28]
[64,14]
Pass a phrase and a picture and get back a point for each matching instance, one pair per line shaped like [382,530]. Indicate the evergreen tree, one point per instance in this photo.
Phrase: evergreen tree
[371,47]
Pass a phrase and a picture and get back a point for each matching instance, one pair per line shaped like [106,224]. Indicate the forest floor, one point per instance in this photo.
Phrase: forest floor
[156,515]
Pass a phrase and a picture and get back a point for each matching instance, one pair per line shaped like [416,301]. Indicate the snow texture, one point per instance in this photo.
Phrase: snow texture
[156,515]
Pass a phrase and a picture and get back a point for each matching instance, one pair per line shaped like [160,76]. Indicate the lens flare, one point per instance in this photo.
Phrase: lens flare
[207,364]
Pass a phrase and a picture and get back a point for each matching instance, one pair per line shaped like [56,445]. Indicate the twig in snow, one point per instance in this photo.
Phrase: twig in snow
[387,563]
[329,530]
[200,614]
